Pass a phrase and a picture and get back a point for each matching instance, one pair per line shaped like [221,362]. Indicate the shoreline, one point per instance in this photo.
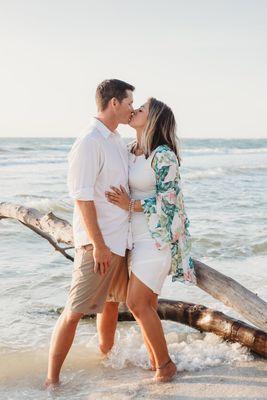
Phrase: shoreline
[86,378]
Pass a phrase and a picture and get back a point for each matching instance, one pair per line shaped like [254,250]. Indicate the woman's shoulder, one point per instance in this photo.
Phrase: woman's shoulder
[164,154]
[162,148]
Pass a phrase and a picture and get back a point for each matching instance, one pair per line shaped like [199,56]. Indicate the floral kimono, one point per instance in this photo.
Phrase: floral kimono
[166,216]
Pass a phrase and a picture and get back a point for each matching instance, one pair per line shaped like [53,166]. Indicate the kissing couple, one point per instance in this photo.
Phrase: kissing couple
[129,224]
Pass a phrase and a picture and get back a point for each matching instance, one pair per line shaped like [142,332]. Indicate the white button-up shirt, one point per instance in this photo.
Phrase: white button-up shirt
[99,159]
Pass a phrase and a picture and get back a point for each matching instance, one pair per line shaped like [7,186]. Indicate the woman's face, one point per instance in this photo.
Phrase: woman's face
[139,119]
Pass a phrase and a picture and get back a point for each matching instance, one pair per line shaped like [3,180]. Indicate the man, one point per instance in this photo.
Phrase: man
[98,159]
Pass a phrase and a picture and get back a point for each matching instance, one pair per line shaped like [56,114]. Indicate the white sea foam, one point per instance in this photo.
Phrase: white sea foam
[47,204]
[204,150]
[249,151]
[223,150]
[203,174]
[223,171]
[189,349]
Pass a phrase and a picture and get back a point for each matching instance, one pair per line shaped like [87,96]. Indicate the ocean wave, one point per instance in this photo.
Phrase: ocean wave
[220,245]
[248,151]
[222,150]
[9,162]
[14,150]
[44,204]
[259,248]
[4,151]
[23,148]
[208,173]
[203,150]
[215,172]
[250,167]
[59,147]
[42,148]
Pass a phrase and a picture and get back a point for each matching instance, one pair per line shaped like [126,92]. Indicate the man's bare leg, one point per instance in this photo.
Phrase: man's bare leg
[61,341]
[106,326]
[64,332]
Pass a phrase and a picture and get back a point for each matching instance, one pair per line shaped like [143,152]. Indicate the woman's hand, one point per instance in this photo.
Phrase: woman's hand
[119,197]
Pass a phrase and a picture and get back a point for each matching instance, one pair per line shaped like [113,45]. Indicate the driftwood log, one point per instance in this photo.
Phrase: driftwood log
[58,231]
[232,294]
[50,227]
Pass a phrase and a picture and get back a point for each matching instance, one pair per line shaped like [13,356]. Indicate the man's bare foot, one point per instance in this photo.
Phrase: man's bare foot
[103,354]
[104,349]
[51,385]
[166,372]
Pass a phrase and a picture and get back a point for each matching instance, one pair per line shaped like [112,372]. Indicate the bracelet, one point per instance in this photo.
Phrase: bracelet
[131,209]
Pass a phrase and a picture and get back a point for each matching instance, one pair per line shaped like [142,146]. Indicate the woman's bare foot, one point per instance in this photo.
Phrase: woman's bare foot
[166,372]
[152,365]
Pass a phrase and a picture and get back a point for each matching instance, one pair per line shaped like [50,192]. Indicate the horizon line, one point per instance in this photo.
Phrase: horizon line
[129,136]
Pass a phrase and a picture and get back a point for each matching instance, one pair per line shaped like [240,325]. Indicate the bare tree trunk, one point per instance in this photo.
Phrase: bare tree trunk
[232,294]
[55,230]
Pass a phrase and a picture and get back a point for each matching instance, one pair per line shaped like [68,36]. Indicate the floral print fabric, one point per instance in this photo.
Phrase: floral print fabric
[166,216]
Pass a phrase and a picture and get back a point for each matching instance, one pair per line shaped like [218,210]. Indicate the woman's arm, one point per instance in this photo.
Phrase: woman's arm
[138,206]
[161,210]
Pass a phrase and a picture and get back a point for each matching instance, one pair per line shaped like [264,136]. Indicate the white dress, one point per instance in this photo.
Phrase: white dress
[149,265]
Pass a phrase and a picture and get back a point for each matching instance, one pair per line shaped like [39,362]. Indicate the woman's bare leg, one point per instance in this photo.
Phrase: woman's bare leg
[147,344]
[141,301]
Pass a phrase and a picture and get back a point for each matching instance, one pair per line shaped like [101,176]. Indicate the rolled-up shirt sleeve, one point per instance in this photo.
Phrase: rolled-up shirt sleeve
[84,167]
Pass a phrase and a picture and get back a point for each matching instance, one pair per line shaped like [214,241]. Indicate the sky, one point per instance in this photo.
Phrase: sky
[206,59]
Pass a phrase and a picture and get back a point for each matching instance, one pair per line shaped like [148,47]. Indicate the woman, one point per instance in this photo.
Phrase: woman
[159,225]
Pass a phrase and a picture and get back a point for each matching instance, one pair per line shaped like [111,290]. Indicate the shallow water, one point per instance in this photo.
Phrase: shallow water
[225,192]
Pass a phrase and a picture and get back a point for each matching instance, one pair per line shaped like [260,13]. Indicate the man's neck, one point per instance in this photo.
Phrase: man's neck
[108,122]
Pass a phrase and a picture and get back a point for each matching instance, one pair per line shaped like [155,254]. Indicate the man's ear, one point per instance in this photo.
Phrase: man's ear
[114,101]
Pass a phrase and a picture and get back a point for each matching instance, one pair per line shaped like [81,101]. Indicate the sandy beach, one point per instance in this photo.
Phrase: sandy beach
[88,380]
[242,380]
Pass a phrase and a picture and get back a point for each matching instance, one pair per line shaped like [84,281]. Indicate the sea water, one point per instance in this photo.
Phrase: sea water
[224,183]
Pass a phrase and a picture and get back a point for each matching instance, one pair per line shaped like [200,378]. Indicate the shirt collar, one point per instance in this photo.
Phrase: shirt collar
[103,129]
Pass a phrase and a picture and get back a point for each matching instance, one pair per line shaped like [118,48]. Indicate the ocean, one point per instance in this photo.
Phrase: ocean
[225,190]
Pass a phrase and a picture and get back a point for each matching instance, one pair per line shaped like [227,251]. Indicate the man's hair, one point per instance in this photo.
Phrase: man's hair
[110,88]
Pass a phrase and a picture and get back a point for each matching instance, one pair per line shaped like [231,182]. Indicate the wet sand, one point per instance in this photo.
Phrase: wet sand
[244,380]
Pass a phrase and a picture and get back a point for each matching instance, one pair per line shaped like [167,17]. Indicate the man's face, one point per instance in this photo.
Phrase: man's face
[125,108]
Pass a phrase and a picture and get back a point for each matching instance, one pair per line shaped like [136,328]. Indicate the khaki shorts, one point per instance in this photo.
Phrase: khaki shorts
[89,291]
